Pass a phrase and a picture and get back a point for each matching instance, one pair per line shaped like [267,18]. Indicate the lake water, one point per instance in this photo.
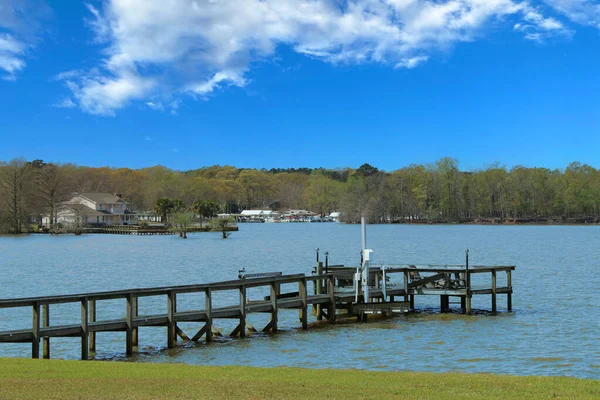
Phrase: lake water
[553,330]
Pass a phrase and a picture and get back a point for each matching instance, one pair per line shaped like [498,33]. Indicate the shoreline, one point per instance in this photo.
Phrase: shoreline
[35,379]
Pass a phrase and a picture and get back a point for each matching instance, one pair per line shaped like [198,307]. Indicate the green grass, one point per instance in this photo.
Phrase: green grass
[56,379]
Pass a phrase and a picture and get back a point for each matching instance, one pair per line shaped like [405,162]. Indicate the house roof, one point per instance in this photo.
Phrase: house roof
[102,197]
[85,210]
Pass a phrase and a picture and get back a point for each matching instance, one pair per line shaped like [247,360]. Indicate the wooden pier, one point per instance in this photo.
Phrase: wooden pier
[147,230]
[331,298]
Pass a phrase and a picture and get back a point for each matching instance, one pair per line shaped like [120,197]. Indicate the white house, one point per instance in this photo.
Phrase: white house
[95,209]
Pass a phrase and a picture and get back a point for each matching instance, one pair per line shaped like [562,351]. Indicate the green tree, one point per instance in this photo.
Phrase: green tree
[221,225]
[163,207]
[206,209]
[182,220]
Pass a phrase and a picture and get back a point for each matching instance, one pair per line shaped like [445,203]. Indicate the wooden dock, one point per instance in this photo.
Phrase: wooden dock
[147,230]
[327,294]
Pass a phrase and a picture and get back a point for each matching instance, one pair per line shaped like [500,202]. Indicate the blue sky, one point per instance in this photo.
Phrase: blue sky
[293,83]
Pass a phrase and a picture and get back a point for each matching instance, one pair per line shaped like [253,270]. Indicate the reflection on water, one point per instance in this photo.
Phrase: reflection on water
[554,329]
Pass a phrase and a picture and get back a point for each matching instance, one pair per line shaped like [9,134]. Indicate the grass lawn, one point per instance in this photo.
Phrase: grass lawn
[56,379]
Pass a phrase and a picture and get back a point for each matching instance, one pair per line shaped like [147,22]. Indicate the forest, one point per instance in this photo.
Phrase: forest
[435,193]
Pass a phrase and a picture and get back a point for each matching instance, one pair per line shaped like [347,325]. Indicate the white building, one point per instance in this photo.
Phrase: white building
[103,209]
[334,216]
[258,215]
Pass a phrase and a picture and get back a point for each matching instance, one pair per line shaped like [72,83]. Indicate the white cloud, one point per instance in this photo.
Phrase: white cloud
[411,62]
[585,12]
[538,28]
[18,27]
[65,103]
[12,52]
[162,50]
[155,106]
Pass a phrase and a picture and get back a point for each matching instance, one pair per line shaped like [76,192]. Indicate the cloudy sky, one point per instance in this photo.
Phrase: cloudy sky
[278,83]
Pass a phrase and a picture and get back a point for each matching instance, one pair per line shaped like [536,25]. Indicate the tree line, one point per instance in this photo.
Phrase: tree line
[438,192]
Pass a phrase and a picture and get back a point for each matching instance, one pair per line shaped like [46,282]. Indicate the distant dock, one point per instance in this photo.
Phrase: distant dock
[143,230]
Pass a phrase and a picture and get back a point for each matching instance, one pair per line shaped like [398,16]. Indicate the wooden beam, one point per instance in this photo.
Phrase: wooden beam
[181,333]
[201,332]
[35,323]
[84,330]
[45,324]
[92,305]
[208,309]
[426,280]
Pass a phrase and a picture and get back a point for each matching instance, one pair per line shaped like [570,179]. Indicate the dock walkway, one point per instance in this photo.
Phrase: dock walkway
[329,299]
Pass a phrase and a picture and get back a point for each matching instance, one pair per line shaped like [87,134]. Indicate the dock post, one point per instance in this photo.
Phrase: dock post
[35,341]
[468,284]
[494,291]
[242,326]
[332,306]
[171,327]
[134,338]
[304,309]
[92,305]
[208,309]
[274,308]
[319,288]
[509,294]
[45,324]
[84,330]
[444,303]
[129,332]
[405,285]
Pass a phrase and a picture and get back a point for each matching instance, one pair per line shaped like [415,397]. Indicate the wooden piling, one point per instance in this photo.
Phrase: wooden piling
[242,326]
[134,333]
[129,328]
[35,343]
[509,294]
[45,324]
[304,298]
[274,308]
[171,325]
[319,289]
[92,306]
[444,303]
[208,310]
[494,310]
[331,291]
[468,296]
[84,330]
[405,286]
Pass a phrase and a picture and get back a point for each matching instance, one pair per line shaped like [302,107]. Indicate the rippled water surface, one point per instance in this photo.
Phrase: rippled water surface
[554,329]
